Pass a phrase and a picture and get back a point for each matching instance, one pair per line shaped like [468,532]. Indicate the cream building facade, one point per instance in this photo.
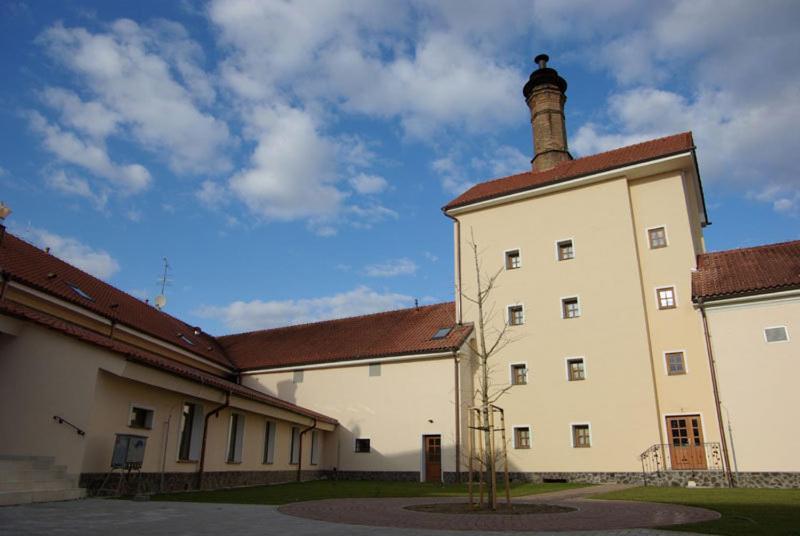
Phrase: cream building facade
[633,355]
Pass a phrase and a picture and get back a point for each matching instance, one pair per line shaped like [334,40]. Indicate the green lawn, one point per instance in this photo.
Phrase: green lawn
[773,512]
[329,489]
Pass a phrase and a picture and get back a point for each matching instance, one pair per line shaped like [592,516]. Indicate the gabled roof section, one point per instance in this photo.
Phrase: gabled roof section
[401,332]
[152,360]
[33,267]
[747,271]
[573,169]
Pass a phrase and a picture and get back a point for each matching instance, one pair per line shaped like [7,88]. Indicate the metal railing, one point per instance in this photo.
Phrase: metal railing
[690,457]
[62,420]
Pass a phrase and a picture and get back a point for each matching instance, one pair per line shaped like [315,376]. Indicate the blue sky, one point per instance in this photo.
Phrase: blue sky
[290,158]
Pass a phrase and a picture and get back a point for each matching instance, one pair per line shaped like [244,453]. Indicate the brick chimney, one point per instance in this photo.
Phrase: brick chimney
[545,95]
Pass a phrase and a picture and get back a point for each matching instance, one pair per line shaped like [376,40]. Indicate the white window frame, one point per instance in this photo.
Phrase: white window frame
[561,305]
[508,314]
[647,236]
[238,453]
[574,250]
[505,259]
[685,362]
[674,296]
[511,372]
[145,407]
[785,329]
[196,439]
[585,368]
[572,435]
[514,429]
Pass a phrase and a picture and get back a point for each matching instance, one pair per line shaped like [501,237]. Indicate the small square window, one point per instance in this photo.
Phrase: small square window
[658,237]
[362,445]
[522,437]
[297,376]
[141,418]
[515,315]
[570,308]
[676,364]
[374,370]
[666,297]
[777,334]
[565,250]
[519,374]
[575,370]
[580,436]
[513,260]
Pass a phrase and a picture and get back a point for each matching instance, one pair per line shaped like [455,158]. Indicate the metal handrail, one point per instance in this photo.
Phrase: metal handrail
[62,420]
[667,457]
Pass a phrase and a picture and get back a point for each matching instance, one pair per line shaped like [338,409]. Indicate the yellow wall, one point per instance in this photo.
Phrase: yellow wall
[757,381]
[394,410]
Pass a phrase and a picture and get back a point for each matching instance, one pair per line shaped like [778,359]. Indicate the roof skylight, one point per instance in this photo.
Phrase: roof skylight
[77,290]
[185,339]
[442,333]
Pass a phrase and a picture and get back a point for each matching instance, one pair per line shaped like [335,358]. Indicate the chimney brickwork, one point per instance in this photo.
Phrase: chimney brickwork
[545,96]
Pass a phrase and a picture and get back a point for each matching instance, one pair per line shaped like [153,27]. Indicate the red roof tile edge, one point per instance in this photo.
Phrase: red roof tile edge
[465,199]
[744,290]
[146,358]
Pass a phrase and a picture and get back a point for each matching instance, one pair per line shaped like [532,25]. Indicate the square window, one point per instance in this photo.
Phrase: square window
[519,374]
[570,308]
[141,418]
[676,364]
[658,237]
[297,376]
[362,445]
[777,334]
[513,260]
[515,315]
[575,370]
[666,297]
[522,437]
[580,436]
[374,370]
[565,250]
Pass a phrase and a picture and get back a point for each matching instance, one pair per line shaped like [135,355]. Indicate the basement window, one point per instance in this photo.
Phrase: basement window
[77,290]
[362,444]
[442,333]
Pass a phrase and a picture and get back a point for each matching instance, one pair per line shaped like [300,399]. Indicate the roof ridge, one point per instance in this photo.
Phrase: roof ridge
[330,320]
[749,248]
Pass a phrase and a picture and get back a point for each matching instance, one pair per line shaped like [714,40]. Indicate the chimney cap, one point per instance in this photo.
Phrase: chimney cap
[543,75]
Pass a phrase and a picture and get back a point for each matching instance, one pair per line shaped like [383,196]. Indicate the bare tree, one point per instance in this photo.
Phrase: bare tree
[490,341]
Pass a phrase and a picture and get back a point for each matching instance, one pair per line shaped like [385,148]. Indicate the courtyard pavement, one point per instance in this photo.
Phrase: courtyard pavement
[127,518]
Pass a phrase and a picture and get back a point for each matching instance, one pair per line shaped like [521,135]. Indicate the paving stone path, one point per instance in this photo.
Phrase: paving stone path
[589,514]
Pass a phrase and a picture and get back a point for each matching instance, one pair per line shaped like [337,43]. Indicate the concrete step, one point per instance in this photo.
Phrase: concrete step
[32,475]
[31,485]
[8,498]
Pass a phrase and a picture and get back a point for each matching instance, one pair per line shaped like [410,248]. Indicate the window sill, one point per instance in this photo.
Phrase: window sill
[187,461]
[233,463]
[140,427]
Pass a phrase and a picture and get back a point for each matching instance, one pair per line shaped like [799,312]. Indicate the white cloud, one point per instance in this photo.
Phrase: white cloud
[78,186]
[212,194]
[458,174]
[97,262]
[368,184]
[391,268]
[91,155]
[290,175]
[258,314]
[150,80]
[91,118]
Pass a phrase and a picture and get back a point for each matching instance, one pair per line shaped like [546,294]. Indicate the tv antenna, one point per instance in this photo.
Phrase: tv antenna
[161,299]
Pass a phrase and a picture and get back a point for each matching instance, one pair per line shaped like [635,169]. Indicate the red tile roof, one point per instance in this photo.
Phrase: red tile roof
[406,331]
[573,169]
[45,272]
[146,358]
[756,270]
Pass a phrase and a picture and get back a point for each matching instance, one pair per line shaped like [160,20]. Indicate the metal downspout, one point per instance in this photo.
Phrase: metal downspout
[717,403]
[457,370]
[214,411]
[300,448]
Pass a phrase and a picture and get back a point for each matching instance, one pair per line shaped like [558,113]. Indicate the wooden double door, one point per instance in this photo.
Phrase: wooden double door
[686,447]
[432,447]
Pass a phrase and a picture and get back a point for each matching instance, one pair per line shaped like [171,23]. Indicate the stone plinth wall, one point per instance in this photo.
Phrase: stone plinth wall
[394,476]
